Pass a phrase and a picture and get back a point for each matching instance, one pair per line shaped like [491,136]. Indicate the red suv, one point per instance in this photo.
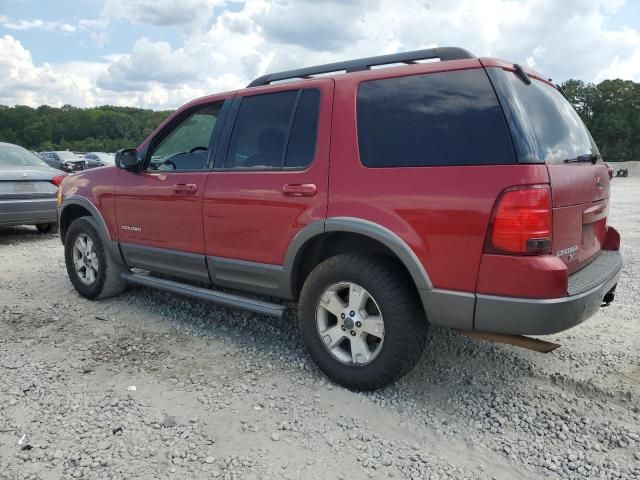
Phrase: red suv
[464,192]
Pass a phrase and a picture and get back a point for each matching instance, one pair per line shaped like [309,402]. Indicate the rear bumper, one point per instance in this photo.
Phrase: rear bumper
[525,316]
[28,211]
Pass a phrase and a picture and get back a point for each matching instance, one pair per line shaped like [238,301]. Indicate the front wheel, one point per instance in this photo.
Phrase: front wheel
[361,320]
[91,269]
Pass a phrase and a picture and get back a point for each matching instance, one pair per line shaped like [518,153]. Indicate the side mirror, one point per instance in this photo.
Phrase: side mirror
[128,159]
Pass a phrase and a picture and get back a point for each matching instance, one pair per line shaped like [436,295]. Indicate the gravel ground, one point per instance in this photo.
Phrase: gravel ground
[227,394]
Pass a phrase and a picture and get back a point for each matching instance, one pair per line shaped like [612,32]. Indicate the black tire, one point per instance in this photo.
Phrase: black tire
[47,227]
[405,326]
[109,281]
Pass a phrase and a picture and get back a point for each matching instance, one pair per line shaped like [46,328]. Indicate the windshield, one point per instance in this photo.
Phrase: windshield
[14,156]
[559,131]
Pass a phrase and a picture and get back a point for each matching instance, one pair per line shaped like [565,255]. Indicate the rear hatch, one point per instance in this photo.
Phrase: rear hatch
[546,129]
[26,183]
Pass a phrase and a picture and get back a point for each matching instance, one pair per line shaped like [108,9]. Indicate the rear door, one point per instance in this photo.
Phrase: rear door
[159,209]
[270,180]
[579,178]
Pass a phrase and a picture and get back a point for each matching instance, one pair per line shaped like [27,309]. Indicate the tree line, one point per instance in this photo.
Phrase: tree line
[101,129]
[611,112]
[610,109]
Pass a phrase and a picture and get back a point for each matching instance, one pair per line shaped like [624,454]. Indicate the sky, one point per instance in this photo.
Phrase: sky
[162,53]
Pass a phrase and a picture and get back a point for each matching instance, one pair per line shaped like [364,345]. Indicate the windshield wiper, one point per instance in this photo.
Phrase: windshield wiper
[587,157]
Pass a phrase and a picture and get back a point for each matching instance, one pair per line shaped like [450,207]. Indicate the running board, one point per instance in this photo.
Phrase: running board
[221,298]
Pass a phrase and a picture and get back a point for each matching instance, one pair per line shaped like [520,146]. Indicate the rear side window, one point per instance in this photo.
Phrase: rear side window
[304,130]
[558,132]
[447,118]
[275,130]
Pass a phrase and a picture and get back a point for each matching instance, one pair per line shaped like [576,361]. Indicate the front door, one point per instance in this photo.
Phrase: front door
[159,209]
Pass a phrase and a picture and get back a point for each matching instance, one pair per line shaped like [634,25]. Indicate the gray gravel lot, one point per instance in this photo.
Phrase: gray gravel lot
[227,394]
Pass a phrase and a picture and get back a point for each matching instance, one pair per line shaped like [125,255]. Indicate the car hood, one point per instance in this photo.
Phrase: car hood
[28,173]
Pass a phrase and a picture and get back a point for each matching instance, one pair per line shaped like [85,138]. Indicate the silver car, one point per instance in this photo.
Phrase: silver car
[28,189]
[64,160]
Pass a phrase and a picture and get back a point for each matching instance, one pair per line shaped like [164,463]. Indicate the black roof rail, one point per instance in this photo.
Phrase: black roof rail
[443,53]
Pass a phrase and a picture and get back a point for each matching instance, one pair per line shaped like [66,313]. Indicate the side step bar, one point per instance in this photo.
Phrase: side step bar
[221,298]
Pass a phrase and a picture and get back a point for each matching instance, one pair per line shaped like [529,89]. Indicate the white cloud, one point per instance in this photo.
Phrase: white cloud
[22,82]
[148,62]
[321,25]
[74,83]
[160,12]
[562,40]
[36,24]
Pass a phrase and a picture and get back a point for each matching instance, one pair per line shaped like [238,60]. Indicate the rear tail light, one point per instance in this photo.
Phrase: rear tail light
[521,222]
[57,180]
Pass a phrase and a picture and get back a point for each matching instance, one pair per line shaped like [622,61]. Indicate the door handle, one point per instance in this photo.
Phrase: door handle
[300,189]
[185,188]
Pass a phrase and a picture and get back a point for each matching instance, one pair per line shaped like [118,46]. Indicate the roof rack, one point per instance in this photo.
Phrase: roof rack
[443,53]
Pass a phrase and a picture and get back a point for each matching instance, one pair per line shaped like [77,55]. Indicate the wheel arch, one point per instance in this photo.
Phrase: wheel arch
[75,207]
[320,240]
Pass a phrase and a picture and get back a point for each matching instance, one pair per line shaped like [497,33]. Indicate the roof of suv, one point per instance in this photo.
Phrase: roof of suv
[358,65]
[405,63]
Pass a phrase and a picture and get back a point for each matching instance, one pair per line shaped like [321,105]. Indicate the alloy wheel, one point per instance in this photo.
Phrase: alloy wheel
[85,259]
[350,324]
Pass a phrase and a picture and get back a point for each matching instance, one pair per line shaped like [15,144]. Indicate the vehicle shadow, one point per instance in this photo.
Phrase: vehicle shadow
[451,365]
[22,233]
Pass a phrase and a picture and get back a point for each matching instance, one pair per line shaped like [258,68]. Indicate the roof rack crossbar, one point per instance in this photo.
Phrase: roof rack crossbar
[443,53]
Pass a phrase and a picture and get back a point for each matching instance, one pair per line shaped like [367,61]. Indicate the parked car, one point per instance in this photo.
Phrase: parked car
[28,189]
[64,160]
[99,159]
[465,193]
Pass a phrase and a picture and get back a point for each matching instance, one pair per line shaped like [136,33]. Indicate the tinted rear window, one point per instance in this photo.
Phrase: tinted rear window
[447,118]
[559,133]
[302,140]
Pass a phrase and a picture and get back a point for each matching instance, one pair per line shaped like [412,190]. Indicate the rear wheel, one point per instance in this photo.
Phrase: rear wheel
[91,269]
[361,320]
[47,227]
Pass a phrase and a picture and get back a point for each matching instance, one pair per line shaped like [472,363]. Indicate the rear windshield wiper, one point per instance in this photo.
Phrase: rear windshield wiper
[587,157]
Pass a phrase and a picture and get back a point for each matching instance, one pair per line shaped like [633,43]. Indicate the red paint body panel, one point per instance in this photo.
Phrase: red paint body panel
[167,219]
[543,276]
[442,213]
[97,186]
[581,205]
[247,215]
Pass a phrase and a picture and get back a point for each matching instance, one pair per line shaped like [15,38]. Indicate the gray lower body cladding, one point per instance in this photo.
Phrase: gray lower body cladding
[525,316]
[31,211]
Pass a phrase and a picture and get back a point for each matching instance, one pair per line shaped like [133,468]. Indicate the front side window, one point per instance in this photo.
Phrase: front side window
[437,119]
[275,130]
[186,147]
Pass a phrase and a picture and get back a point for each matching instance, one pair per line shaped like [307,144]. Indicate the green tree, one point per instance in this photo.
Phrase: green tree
[611,112]
[106,128]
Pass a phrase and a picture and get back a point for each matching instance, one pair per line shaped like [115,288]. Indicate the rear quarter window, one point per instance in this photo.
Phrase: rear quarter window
[437,119]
